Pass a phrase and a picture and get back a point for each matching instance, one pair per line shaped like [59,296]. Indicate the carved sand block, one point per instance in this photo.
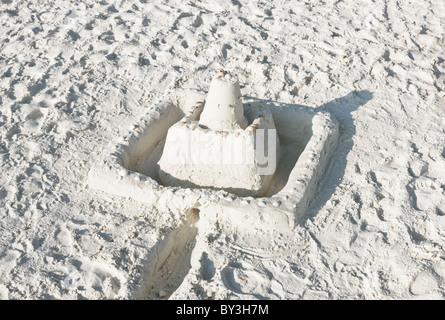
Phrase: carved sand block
[222,148]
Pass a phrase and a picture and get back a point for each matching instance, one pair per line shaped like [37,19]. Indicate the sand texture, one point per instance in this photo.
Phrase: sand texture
[76,76]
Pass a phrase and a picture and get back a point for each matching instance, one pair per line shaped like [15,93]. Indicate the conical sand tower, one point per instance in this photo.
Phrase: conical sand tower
[223,110]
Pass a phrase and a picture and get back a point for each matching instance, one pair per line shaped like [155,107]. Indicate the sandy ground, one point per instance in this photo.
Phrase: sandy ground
[74,76]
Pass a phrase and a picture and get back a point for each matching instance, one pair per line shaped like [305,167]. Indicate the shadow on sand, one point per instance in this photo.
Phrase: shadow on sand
[342,108]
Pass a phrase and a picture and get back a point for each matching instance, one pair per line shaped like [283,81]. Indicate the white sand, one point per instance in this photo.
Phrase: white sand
[74,77]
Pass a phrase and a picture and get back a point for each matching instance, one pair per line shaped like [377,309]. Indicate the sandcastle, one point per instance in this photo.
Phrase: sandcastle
[161,160]
[217,145]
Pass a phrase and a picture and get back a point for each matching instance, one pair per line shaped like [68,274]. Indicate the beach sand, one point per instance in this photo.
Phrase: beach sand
[75,76]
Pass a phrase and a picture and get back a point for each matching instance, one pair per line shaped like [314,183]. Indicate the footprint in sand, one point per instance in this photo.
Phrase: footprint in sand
[249,280]
[64,240]
[428,281]
[8,261]
[426,193]
[97,280]
[207,269]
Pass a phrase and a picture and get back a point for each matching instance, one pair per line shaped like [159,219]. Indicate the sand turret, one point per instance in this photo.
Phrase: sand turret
[223,109]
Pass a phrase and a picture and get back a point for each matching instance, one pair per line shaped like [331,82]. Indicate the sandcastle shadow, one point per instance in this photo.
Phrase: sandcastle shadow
[342,108]
[293,123]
